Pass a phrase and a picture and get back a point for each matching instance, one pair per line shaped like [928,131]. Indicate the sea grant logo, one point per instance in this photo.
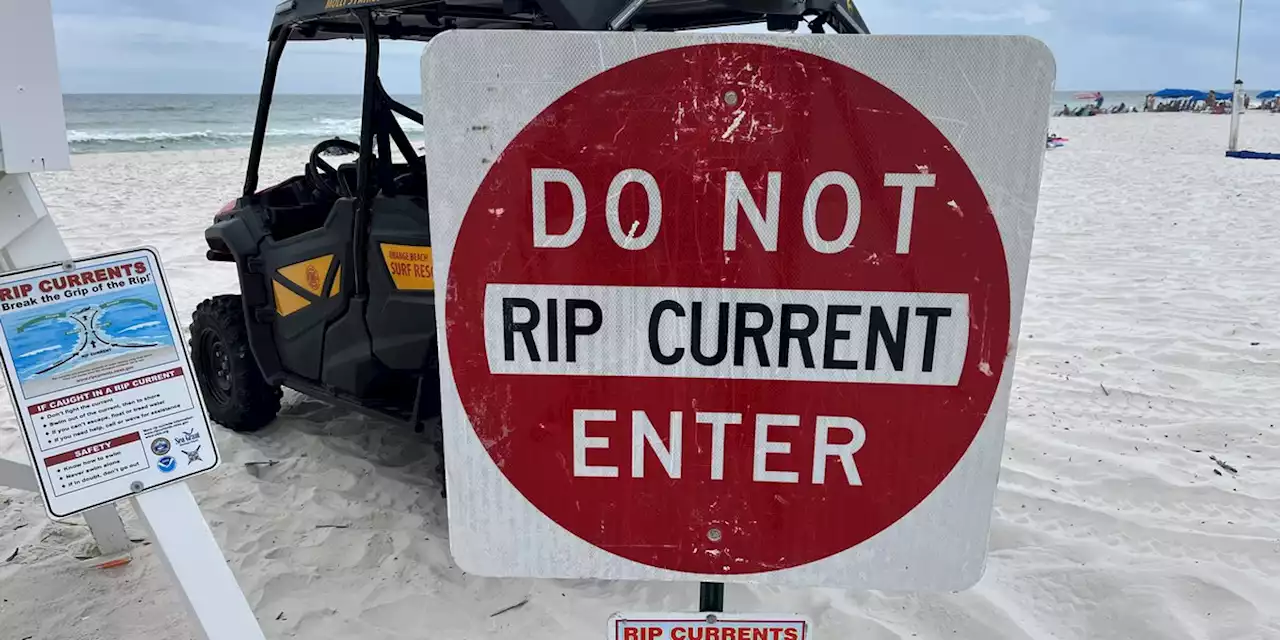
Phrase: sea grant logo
[187,438]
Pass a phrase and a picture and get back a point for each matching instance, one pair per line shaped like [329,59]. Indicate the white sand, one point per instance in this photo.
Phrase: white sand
[1151,339]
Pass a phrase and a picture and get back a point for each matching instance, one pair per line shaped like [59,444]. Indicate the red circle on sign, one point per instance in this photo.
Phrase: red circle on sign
[687,117]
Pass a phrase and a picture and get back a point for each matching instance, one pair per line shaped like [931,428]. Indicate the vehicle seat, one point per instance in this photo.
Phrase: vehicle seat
[348,172]
[294,207]
[411,183]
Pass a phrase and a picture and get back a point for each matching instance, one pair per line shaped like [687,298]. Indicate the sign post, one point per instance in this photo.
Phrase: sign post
[730,308]
[711,596]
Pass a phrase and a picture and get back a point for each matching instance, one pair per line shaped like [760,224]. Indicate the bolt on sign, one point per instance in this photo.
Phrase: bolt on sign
[730,307]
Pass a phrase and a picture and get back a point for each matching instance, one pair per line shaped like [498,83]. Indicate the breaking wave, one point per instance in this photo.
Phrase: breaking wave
[89,141]
[144,325]
[32,354]
[103,137]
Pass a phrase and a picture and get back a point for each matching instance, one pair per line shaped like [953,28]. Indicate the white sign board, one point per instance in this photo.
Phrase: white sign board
[708,626]
[100,380]
[730,307]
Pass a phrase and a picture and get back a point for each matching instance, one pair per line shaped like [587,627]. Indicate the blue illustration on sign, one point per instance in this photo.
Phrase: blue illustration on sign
[54,343]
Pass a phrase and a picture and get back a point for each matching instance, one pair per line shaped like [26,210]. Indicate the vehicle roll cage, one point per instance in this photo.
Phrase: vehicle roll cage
[423,19]
[372,20]
[378,130]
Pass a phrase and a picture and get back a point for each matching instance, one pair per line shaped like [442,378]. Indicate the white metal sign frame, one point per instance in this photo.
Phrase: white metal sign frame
[480,89]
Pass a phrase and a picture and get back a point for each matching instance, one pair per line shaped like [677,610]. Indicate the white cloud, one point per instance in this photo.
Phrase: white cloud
[1192,7]
[1026,14]
[137,30]
[218,45]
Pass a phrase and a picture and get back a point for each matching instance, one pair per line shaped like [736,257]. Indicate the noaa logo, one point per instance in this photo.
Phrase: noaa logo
[167,464]
[160,446]
[187,438]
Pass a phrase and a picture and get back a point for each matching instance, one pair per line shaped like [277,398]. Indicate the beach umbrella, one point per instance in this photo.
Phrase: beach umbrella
[1178,93]
[1269,94]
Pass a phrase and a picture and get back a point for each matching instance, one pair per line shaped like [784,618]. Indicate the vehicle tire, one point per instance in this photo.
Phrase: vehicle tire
[234,391]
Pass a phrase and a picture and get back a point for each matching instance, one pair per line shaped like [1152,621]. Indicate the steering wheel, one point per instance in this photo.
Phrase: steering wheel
[322,176]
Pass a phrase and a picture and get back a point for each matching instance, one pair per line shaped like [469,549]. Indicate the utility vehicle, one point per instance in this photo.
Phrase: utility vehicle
[319,309]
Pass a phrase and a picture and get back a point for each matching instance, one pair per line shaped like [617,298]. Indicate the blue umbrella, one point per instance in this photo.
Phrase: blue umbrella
[1178,93]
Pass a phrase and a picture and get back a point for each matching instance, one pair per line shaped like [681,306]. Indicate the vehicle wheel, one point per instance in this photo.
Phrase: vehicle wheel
[234,391]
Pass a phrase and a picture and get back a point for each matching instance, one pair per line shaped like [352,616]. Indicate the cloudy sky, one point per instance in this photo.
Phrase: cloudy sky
[217,46]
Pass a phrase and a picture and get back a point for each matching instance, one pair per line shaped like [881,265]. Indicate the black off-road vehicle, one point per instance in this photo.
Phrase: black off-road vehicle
[336,296]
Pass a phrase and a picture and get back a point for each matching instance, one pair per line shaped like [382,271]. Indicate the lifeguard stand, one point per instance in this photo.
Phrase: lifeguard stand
[33,138]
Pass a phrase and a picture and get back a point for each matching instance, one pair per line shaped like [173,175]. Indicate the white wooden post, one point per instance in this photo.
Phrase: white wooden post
[214,599]
[1237,97]
[33,138]
[1237,112]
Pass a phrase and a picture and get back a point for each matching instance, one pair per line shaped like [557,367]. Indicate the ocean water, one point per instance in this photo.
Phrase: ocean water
[149,122]
[138,122]
[1109,98]
[46,339]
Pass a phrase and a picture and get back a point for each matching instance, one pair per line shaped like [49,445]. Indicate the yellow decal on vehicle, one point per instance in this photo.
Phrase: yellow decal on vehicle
[410,266]
[308,274]
[346,4]
[287,301]
[337,283]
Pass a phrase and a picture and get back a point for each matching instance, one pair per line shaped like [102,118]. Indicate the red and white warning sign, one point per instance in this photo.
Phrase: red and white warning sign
[734,306]
[708,626]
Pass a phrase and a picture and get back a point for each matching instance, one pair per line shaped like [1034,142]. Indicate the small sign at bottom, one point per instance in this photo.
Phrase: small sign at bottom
[707,626]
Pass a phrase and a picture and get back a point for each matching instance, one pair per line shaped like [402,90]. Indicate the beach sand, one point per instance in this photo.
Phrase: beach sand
[1150,346]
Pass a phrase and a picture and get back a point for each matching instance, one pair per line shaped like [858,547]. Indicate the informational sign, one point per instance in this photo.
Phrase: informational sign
[730,307]
[708,626]
[100,380]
